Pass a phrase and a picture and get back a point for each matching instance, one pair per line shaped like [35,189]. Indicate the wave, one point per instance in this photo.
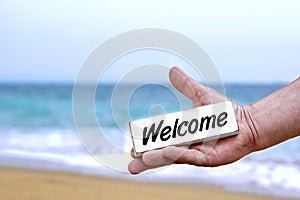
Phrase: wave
[273,172]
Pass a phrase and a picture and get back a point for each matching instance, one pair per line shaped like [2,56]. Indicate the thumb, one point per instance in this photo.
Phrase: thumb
[198,93]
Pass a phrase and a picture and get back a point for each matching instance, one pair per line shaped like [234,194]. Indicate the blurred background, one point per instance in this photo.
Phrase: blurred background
[255,46]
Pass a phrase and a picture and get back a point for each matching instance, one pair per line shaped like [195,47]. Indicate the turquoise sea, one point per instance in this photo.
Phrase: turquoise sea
[37,131]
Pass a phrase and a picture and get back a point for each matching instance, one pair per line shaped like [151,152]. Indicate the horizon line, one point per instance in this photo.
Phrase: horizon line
[131,82]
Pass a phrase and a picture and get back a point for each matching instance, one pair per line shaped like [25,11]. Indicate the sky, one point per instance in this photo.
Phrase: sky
[248,41]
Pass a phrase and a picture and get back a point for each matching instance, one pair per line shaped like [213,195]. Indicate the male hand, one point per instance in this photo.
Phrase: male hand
[213,153]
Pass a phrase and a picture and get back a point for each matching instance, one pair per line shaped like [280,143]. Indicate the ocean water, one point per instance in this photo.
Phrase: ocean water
[37,130]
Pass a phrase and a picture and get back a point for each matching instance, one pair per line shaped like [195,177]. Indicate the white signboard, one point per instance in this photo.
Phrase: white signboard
[186,127]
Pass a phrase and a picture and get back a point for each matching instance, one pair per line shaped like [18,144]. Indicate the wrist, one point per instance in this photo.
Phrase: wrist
[251,127]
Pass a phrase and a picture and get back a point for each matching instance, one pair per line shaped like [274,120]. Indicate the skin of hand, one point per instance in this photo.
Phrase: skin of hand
[209,154]
[269,121]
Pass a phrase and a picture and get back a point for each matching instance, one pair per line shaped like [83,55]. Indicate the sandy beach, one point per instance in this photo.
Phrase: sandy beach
[24,184]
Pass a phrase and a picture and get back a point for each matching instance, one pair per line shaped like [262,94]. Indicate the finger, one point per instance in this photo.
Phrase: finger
[198,93]
[156,158]
[185,156]
[137,166]
[184,83]
[132,153]
[149,160]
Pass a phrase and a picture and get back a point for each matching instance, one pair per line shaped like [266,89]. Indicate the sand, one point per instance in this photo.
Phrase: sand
[24,184]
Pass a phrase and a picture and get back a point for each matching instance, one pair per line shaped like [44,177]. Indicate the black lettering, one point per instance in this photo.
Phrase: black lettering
[207,119]
[165,132]
[190,126]
[185,123]
[175,127]
[151,131]
[220,118]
